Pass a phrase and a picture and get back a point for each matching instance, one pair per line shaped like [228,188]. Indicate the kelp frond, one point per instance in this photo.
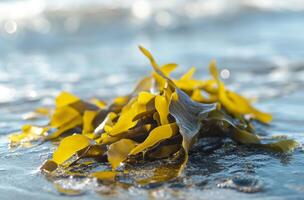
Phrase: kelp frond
[162,118]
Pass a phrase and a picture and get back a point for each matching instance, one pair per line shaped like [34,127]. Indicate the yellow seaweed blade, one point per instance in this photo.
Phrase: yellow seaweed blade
[38,113]
[119,151]
[107,128]
[168,68]
[126,119]
[150,57]
[44,111]
[63,115]
[129,134]
[69,146]
[162,107]
[262,117]
[247,108]
[28,133]
[49,166]
[129,105]
[210,86]
[101,138]
[244,137]
[144,84]
[158,134]
[124,123]
[213,70]
[93,151]
[197,96]
[229,105]
[144,98]
[161,82]
[164,151]
[156,68]
[107,122]
[107,139]
[88,118]
[234,103]
[189,74]
[65,98]
[282,146]
[186,147]
[65,127]
[189,85]
[158,77]
[101,104]
[121,100]
[108,176]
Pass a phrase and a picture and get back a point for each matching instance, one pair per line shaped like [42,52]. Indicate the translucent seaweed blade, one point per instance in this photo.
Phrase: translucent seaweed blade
[119,151]
[155,136]
[69,146]
[188,115]
[155,66]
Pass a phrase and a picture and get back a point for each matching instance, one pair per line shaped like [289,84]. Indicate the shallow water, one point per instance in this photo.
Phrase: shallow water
[91,50]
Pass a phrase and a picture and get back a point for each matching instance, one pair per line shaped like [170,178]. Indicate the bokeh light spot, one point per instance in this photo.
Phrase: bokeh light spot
[10,26]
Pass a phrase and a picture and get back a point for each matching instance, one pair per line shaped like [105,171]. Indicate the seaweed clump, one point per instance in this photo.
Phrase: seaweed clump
[162,118]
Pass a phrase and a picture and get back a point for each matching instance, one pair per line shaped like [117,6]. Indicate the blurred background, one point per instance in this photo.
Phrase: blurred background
[89,47]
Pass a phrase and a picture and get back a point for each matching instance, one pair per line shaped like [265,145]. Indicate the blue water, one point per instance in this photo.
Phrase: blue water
[90,49]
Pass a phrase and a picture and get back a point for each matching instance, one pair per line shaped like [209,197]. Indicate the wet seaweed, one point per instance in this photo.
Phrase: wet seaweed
[161,119]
